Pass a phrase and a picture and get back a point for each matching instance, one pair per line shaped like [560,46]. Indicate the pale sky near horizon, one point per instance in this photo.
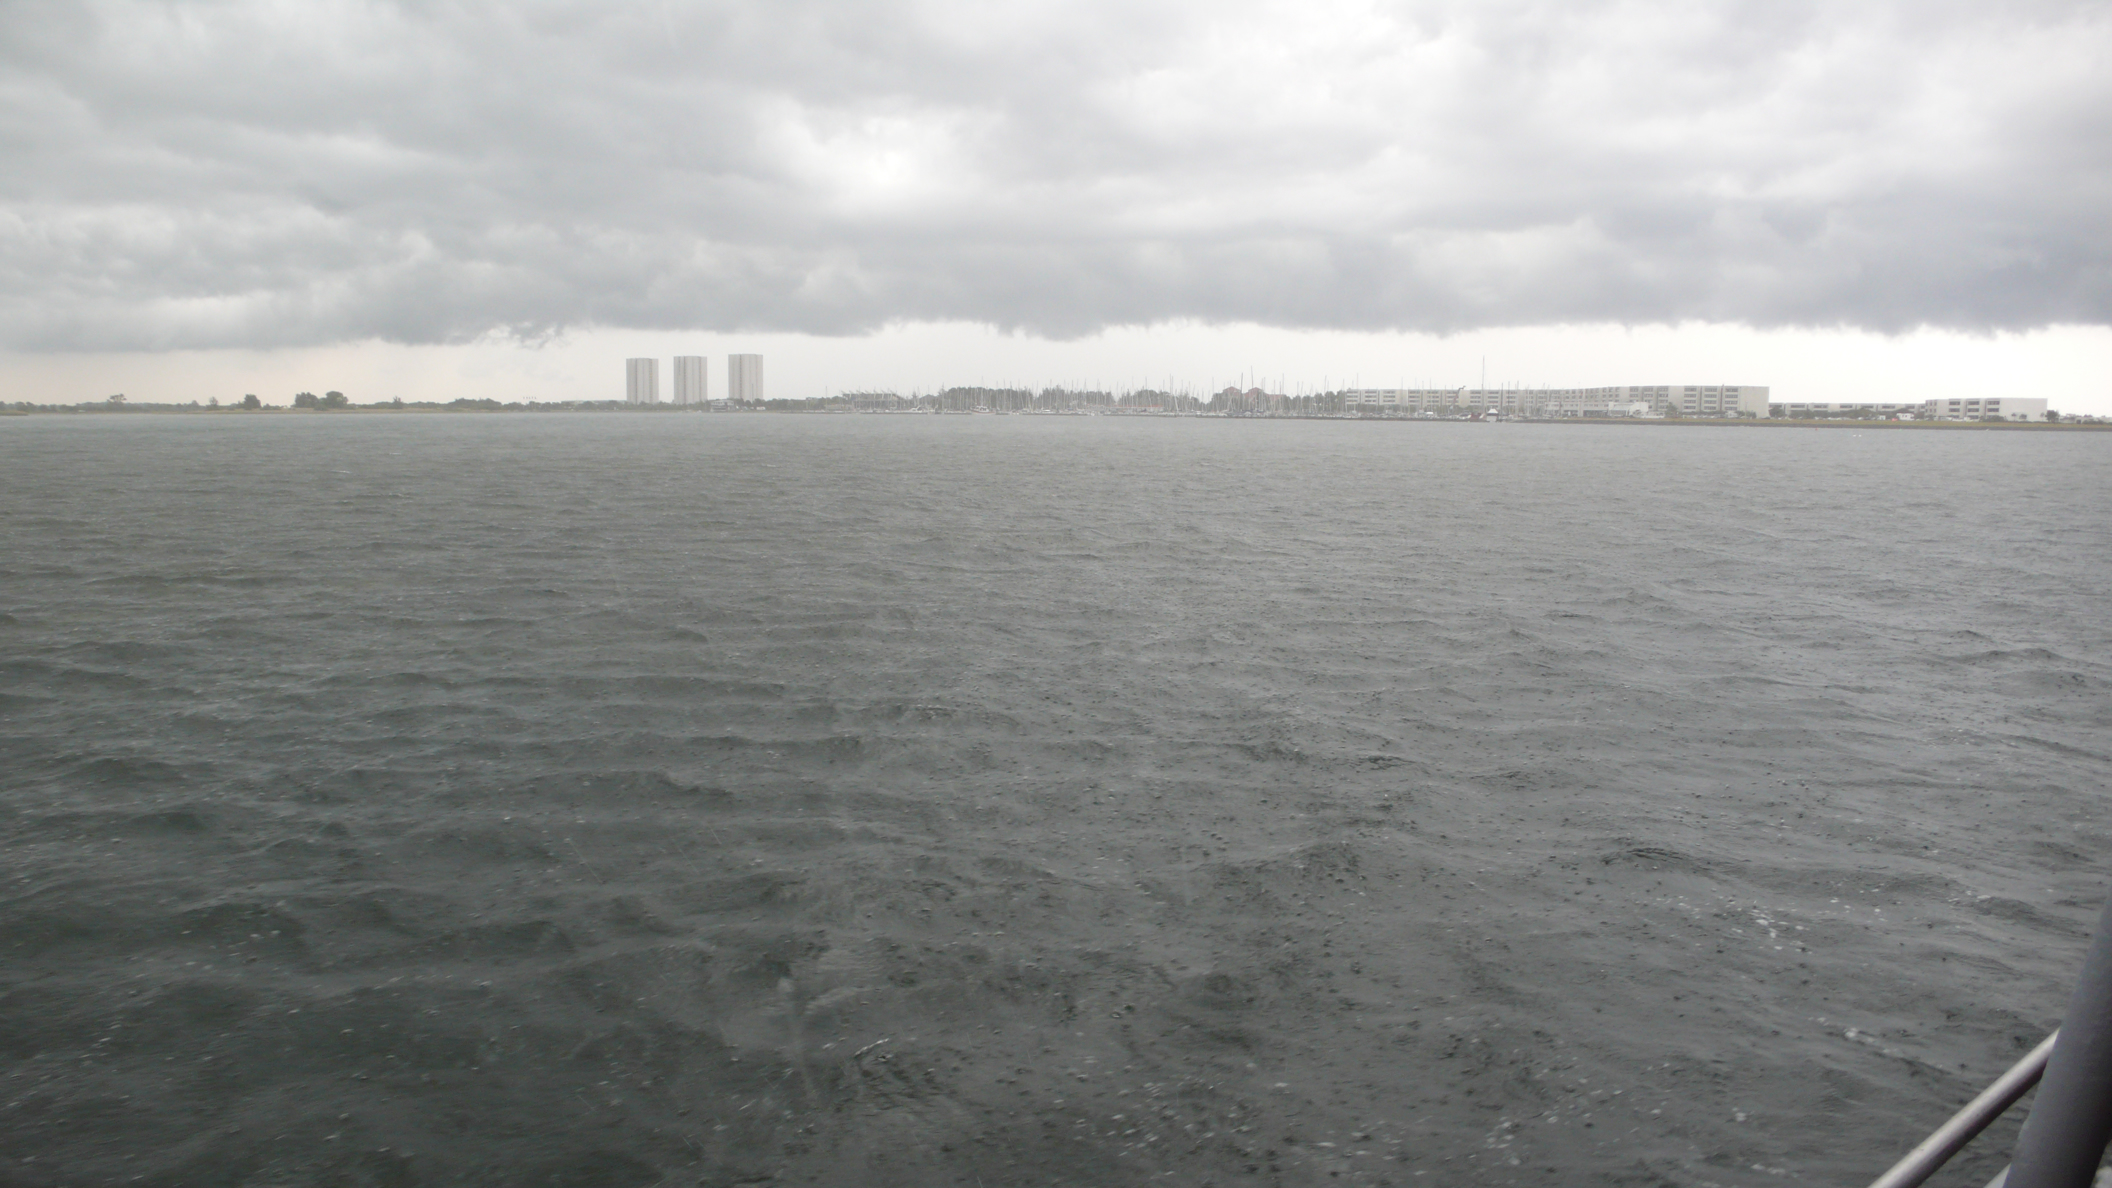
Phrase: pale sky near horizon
[1876,200]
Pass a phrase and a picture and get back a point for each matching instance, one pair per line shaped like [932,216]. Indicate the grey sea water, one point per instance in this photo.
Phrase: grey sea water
[634,800]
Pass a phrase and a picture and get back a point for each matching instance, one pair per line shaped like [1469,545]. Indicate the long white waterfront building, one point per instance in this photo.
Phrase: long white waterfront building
[1686,400]
[1954,408]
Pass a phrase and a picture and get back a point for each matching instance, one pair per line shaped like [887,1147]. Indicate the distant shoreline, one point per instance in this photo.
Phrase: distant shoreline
[664,409]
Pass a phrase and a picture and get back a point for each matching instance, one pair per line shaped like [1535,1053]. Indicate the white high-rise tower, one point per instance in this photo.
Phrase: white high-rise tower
[692,385]
[642,381]
[744,377]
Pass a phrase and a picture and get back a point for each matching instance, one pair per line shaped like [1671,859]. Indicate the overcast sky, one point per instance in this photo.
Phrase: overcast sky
[324,176]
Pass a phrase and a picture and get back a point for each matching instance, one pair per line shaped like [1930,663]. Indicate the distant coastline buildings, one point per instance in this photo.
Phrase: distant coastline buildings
[692,382]
[691,388]
[1986,408]
[744,378]
[1637,401]
[1662,402]
[641,381]
[1685,400]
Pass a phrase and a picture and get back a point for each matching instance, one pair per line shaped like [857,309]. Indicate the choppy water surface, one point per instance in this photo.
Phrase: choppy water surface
[629,800]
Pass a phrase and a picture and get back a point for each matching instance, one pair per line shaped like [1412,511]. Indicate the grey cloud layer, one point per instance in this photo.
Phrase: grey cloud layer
[258,174]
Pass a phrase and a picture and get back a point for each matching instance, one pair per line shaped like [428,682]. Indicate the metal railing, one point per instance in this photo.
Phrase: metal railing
[1951,1137]
[2064,1136]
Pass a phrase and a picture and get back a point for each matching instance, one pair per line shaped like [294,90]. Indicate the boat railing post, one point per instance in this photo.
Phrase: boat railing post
[2064,1135]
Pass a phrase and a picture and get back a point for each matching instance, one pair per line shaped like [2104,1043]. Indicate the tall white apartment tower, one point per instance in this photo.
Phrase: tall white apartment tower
[692,386]
[642,381]
[744,377]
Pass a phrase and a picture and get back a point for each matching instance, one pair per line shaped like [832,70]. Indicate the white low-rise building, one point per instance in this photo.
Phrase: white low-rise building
[2006,408]
[1600,402]
[1685,400]
[1802,410]
[1409,400]
[1981,408]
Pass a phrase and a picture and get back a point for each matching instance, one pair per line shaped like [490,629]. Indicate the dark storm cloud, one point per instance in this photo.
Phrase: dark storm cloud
[254,174]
